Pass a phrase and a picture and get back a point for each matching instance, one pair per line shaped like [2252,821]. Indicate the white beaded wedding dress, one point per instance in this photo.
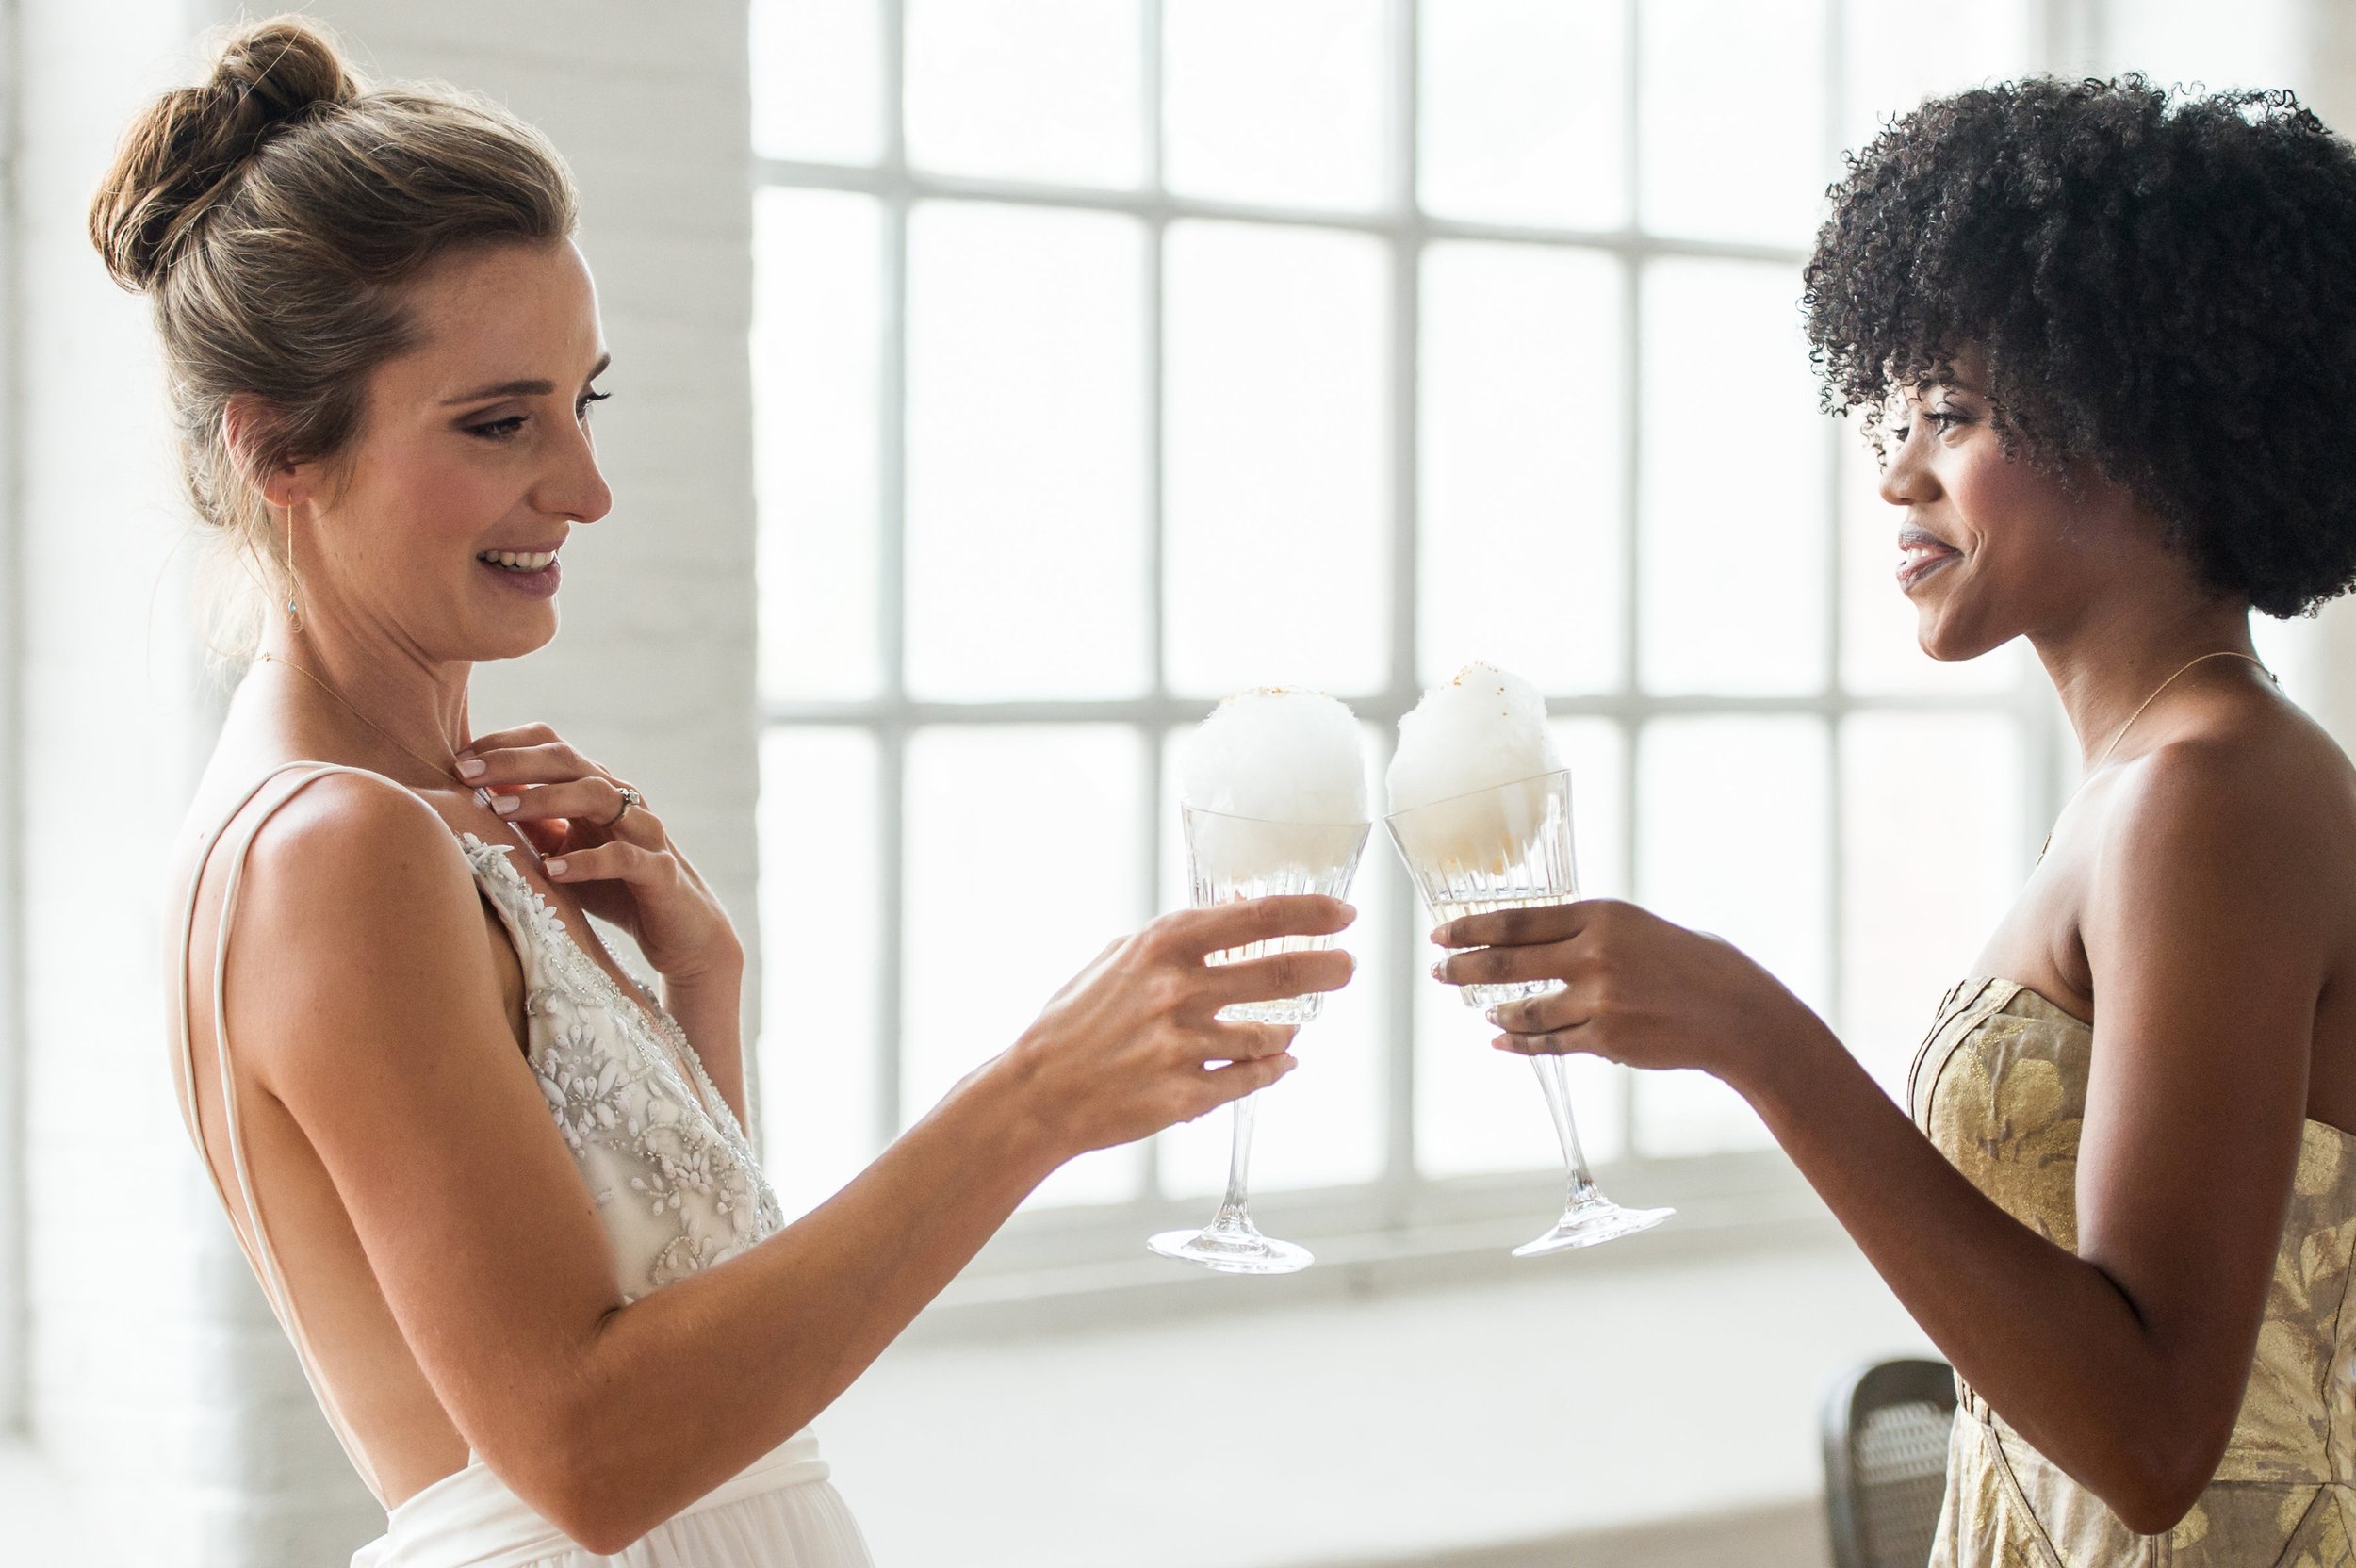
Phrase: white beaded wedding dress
[676,1183]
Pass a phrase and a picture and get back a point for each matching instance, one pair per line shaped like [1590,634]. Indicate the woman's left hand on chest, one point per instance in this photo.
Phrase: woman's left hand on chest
[611,849]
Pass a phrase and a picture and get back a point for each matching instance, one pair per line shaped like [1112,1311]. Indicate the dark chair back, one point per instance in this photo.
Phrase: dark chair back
[1886,1427]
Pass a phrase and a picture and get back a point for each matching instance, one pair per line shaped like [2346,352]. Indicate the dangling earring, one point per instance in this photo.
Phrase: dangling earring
[294,616]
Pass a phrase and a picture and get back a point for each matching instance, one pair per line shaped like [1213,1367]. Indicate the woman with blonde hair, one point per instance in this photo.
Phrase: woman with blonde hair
[496,1187]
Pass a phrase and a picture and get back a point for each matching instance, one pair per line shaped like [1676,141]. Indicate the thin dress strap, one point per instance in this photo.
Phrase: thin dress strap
[273,1278]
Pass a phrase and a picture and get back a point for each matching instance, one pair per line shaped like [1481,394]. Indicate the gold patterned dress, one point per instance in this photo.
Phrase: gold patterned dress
[2000,1086]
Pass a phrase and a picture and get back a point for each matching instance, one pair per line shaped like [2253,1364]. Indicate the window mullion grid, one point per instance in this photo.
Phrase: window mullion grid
[1154,731]
[1400,1179]
[1632,512]
[891,734]
[2071,34]
[1166,204]
[1386,706]
[895,714]
[1836,788]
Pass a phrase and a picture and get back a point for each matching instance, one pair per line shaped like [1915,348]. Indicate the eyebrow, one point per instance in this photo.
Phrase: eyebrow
[522,388]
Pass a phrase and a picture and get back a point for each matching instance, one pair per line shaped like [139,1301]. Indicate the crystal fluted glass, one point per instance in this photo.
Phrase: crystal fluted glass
[1509,847]
[1230,858]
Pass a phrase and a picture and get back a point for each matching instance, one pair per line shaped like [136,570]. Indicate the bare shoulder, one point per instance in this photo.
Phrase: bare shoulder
[346,840]
[356,899]
[2269,783]
[2251,822]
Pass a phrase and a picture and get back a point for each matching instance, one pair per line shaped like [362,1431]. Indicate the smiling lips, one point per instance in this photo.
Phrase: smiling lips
[533,572]
[1921,554]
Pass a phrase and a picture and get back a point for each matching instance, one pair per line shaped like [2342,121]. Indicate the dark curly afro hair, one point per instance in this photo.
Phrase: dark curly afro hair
[2160,283]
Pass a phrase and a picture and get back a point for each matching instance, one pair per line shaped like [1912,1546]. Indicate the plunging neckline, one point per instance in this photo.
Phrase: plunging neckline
[609,991]
[470,837]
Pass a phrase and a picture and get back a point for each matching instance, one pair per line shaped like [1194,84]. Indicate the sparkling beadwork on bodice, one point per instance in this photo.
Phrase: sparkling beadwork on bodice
[674,1177]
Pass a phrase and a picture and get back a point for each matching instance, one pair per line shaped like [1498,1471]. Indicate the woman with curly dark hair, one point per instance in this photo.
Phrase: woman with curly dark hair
[2103,337]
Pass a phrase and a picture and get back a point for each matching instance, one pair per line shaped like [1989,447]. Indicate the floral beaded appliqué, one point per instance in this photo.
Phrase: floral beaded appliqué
[673,1175]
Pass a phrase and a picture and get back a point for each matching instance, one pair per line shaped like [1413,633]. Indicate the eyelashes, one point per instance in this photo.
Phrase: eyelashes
[508,426]
[1939,419]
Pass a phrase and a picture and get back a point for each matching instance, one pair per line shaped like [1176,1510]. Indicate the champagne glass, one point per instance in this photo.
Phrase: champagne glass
[1231,858]
[1509,847]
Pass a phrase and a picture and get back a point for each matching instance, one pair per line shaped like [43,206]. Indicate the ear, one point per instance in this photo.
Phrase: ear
[248,429]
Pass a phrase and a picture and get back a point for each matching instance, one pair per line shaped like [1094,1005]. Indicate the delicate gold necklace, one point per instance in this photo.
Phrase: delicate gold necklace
[449,771]
[2219,653]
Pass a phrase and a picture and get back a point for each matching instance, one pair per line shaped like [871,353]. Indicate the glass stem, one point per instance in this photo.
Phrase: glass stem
[1238,1165]
[1580,1187]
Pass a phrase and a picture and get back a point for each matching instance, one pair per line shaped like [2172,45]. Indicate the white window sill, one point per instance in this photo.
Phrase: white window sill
[1062,1270]
[1418,1398]
[1636,1403]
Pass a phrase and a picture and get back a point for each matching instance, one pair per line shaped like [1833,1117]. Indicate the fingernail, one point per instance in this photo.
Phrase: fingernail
[505,805]
[1437,968]
[1491,1014]
[556,867]
[472,767]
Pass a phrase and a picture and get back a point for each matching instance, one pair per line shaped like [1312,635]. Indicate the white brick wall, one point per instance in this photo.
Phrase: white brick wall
[158,1386]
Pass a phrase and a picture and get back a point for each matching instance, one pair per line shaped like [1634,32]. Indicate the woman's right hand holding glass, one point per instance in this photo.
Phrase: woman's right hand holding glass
[1132,1044]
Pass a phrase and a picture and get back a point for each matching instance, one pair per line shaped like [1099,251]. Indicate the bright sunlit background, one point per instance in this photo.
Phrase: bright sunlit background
[1112,357]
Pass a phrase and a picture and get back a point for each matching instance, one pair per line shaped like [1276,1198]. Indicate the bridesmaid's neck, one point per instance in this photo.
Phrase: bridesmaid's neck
[2110,659]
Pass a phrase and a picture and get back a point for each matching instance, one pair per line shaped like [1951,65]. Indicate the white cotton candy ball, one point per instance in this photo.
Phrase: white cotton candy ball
[1485,727]
[1279,755]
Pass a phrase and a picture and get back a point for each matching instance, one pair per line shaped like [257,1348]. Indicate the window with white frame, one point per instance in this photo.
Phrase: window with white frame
[1113,355]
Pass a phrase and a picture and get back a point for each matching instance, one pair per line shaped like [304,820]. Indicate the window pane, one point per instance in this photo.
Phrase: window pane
[1323,1125]
[1732,104]
[1731,839]
[817,69]
[2220,46]
[1523,434]
[1026,573]
[1479,1110]
[817,341]
[1894,57]
[1734,455]
[818,960]
[1277,358]
[1029,90]
[1026,855]
[1596,751]
[1880,651]
[1932,853]
[1284,105]
[1525,112]
[2299,651]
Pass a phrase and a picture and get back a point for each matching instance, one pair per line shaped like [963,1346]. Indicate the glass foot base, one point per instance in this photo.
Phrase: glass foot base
[1228,1247]
[1597,1219]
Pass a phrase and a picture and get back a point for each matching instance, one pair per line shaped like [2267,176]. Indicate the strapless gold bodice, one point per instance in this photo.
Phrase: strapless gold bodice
[2000,1086]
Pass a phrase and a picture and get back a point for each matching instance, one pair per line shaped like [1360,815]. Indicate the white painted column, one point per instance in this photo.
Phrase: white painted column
[131,1304]
[158,1385]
